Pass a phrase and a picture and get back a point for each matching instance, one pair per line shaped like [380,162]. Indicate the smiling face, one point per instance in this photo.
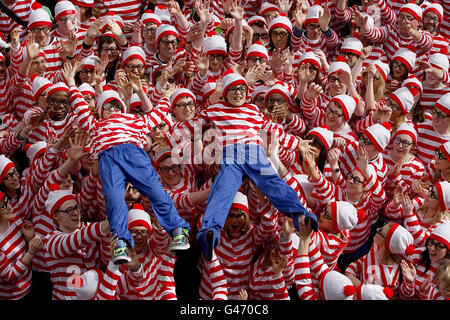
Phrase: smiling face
[236,95]
[355,182]
[12,179]
[58,105]
[184,109]
[6,213]
[67,216]
[334,116]
[169,172]
[337,85]
[235,223]
[66,24]
[38,66]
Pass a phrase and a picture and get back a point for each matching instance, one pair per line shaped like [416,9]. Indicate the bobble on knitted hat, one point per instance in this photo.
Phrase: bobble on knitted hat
[313,14]
[399,240]
[107,96]
[231,79]
[5,166]
[281,22]
[35,150]
[64,8]
[443,190]
[257,49]
[379,135]
[215,44]
[59,86]
[445,149]
[165,30]
[39,85]
[240,202]
[442,233]
[137,216]
[443,103]
[86,89]
[436,8]
[345,216]
[86,285]
[84,3]
[407,129]
[324,134]
[352,45]
[150,17]
[181,93]
[374,292]
[38,18]
[336,286]
[383,68]
[404,98]
[56,197]
[413,9]
[346,103]
[133,52]
[406,56]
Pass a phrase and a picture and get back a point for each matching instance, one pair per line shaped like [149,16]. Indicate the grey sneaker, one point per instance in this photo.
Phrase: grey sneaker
[180,239]
[120,253]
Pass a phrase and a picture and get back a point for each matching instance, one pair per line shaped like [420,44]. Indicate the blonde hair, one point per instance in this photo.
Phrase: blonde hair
[380,91]
[437,216]
[443,272]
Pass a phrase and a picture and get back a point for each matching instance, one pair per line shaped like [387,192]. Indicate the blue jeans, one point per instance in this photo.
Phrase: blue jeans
[240,161]
[127,163]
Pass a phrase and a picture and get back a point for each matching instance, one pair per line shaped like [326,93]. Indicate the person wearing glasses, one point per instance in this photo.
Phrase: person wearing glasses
[309,72]
[432,19]
[401,65]
[439,168]
[18,247]
[431,134]
[422,268]
[372,87]
[345,13]
[115,137]
[144,32]
[259,26]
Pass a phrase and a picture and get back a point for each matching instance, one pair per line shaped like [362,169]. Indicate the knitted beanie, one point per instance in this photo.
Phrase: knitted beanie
[443,103]
[310,57]
[64,8]
[133,52]
[215,44]
[267,7]
[87,285]
[379,135]
[259,18]
[442,233]
[445,149]
[37,18]
[165,30]
[240,202]
[404,97]
[137,216]
[406,56]
[180,93]
[5,166]
[436,8]
[107,96]
[324,134]
[90,62]
[257,49]
[84,3]
[347,104]
[373,292]
[163,13]
[35,150]
[281,21]
[113,16]
[383,68]
[39,85]
[413,81]
[399,240]
[231,79]
[443,190]
[336,286]
[150,17]
[439,60]
[283,89]
[345,216]
[135,101]
[352,45]
[259,90]
[86,89]
[313,14]
[406,128]
[413,9]
[338,66]
[59,86]
[56,197]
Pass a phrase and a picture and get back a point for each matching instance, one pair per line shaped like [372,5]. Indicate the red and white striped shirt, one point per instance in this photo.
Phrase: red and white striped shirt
[431,95]
[22,9]
[213,283]
[428,141]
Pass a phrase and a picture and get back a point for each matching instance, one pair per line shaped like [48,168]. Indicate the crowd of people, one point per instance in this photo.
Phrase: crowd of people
[224,150]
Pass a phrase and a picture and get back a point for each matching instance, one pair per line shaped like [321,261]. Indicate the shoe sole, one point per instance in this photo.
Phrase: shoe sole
[180,248]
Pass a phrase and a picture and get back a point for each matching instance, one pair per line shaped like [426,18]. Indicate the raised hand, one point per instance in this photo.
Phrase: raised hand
[301,10]
[303,73]
[94,29]
[365,52]
[324,18]
[383,113]
[35,244]
[237,10]
[15,36]
[313,92]
[70,46]
[408,271]
[243,295]
[135,82]
[174,7]
[202,63]
[69,71]
[362,158]
[285,5]
[32,48]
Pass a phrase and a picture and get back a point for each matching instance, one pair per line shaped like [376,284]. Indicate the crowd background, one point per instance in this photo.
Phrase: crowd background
[353,108]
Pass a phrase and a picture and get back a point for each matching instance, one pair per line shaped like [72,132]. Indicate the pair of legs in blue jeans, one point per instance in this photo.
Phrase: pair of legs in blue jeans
[240,161]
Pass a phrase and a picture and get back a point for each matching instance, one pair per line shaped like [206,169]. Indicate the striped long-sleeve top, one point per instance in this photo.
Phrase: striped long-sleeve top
[428,141]
[69,253]
[386,13]
[431,95]
[419,228]
[22,9]
[235,255]
[15,275]
[116,129]
[108,283]
[213,283]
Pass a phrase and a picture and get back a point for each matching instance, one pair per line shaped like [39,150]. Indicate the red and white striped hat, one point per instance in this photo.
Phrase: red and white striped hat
[436,8]
[379,135]
[64,8]
[445,149]
[37,18]
[59,86]
[442,233]
[338,66]
[399,240]
[215,44]
[137,216]
[313,14]
[135,101]
[345,216]
[257,49]
[405,98]
[443,103]
[90,62]
[5,165]
[383,68]
[282,21]
[347,104]
[267,7]
[407,129]
[86,285]
[84,3]
[407,56]
[373,292]
[86,89]
[443,190]
[258,90]
[35,150]
[413,81]
[208,89]
[324,134]
[336,286]
[310,57]
[254,19]
[165,30]
[413,9]
[56,197]
[113,16]
[240,202]
[230,29]
[180,93]
[231,79]
[39,85]
[133,52]
[439,60]
[352,45]
[286,90]
[150,17]
[107,96]
[163,13]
